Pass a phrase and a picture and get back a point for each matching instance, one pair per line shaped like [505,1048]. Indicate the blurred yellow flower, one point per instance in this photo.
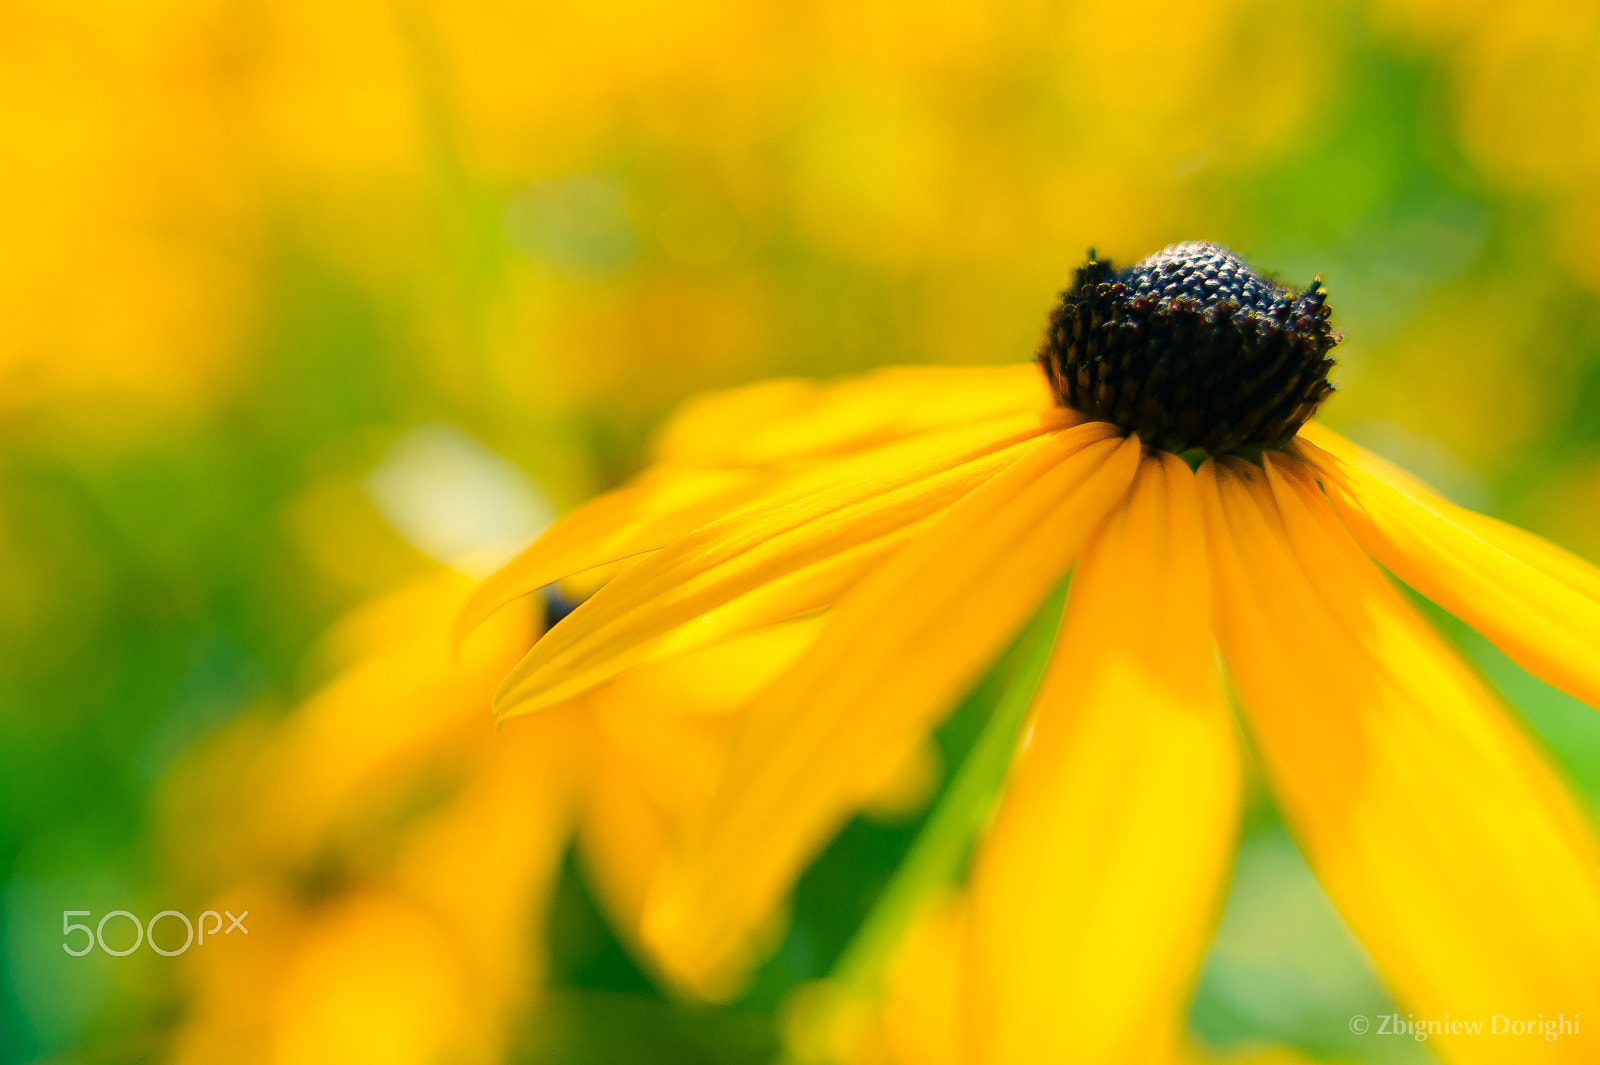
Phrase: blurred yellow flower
[174,168]
[925,514]
[123,211]
[396,854]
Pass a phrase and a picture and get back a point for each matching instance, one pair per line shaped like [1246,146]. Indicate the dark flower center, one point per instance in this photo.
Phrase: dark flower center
[1190,348]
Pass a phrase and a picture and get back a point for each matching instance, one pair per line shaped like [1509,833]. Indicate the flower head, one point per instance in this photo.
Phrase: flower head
[926,514]
[1190,348]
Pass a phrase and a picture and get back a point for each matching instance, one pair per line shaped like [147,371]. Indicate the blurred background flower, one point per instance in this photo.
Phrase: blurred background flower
[283,282]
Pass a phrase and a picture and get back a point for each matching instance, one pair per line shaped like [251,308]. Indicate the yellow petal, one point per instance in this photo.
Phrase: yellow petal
[789,420]
[406,700]
[669,502]
[376,980]
[645,515]
[622,839]
[1537,603]
[484,861]
[708,429]
[1097,888]
[1456,856]
[801,551]
[662,735]
[924,1002]
[898,650]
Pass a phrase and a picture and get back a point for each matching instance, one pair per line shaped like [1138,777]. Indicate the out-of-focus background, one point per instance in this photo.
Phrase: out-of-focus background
[302,302]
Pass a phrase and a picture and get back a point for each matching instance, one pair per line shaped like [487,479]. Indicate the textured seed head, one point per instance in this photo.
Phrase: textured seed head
[1190,348]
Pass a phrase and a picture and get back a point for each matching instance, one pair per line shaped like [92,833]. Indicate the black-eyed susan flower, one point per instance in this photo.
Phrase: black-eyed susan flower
[1216,540]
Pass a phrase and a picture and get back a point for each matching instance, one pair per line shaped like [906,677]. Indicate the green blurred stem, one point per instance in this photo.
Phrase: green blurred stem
[940,851]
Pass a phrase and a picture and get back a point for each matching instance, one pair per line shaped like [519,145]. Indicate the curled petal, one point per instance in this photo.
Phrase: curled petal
[646,515]
[779,438]
[1537,603]
[777,559]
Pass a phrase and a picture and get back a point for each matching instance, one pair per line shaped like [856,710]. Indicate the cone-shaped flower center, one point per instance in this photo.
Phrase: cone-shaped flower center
[1190,348]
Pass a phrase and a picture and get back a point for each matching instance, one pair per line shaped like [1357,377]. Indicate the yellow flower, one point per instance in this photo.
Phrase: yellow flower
[927,514]
[396,854]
